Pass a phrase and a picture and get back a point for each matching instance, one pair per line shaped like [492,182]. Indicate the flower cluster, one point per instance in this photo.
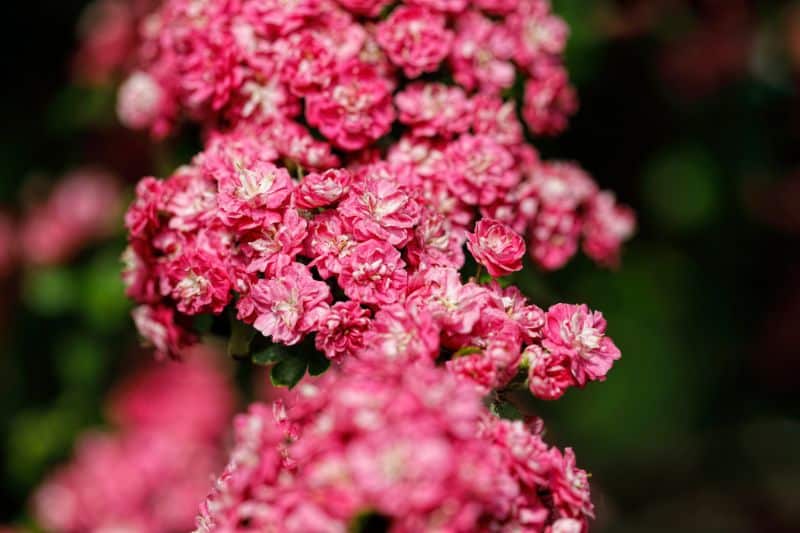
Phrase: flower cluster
[410,448]
[150,474]
[343,254]
[83,206]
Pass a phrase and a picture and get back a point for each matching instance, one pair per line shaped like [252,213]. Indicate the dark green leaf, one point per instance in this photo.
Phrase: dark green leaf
[271,354]
[288,372]
[317,363]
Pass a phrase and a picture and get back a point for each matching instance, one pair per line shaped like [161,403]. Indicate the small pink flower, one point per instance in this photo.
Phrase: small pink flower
[570,486]
[549,374]
[432,109]
[379,207]
[272,247]
[415,39]
[436,242]
[374,273]
[497,247]
[553,238]
[289,305]
[249,196]
[606,226]
[157,326]
[355,110]
[140,101]
[401,333]
[197,281]
[322,189]
[330,242]
[579,333]
[539,34]
[549,101]
[496,118]
[481,53]
[307,65]
[480,170]
[341,331]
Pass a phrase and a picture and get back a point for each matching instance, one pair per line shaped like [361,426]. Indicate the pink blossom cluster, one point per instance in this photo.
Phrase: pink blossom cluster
[267,60]
[340,255]
[150,474]
[412,447]
[83,206]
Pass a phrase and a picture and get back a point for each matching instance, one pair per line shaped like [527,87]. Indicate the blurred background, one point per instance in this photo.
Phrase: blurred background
[690,111]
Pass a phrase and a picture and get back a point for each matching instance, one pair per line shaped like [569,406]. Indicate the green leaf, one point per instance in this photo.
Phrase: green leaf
[288,372]
[271,354]
[317,363]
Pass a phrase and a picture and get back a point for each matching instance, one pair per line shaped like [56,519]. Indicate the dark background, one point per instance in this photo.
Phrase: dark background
[689,111]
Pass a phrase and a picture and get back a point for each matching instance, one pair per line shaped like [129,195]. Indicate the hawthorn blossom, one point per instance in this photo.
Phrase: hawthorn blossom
[355,110]
[579,333]
[341,331]
[497,247]
[374,273]
[415,39]
[432,109]
[289,305]
[412,444]
[480,169]
[322,189]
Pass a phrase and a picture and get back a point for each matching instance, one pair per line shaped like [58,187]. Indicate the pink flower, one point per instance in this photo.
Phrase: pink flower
[497,247]
[538,33]
[329,242]
[549,101]
[561,186]
[553,238]
[401,333]
[289,305]
[192,397]
[374,273]
[436,242]
[432,109]
[549,374]
[250,195]
[197,281]
[321,190]
[158,327]
[379,207]
[570,486]
[577,332]
[355,110]
[415,39]
[480,170]
[140,102]
[82,207]
[307,65]
[270,248]
[480,54]
[341,331]
[496,118]
[171,417]
[606,227]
